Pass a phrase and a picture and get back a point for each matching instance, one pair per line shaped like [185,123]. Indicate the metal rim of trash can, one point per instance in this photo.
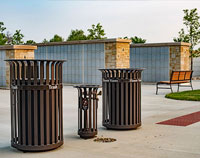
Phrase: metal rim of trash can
[87,126]
[35,127]
[119,91]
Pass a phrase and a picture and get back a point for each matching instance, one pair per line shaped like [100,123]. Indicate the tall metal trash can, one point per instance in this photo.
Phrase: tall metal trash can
[87,110]
[121,98]
[36,104]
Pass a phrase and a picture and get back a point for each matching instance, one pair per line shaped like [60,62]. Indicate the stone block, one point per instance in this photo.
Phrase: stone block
[17,52]
[117,54]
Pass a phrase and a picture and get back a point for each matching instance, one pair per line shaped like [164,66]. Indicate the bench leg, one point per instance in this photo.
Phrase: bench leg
[156,88]
[171,88]
[178,88]
[191,85]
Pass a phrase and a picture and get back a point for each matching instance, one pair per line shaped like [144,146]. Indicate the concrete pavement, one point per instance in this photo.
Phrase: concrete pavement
[150,140]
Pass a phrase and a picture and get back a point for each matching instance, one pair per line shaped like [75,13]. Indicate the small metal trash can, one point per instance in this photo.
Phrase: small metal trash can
[36,104]
[121,98]
[87,110]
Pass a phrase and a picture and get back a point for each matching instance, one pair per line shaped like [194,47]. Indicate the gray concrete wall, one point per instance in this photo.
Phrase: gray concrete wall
[155,60]
[196,67]
[2,68]
[83,61]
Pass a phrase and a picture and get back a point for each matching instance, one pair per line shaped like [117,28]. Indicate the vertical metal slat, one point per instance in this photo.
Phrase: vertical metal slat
[18,104]
[24,135]
[41,103]
[29,104]
[35,105]
[12,99]
[47,106]
[52,104]
[56,103]
[130,99]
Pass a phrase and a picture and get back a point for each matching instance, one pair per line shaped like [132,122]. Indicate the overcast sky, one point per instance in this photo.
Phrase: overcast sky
[156,21]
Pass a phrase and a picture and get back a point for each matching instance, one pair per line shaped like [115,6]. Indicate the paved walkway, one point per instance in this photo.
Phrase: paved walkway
[149,141]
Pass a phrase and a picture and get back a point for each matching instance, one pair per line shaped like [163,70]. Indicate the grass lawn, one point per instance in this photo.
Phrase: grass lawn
[185,95]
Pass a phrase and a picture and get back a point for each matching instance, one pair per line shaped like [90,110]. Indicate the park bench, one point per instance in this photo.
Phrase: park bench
[177,77]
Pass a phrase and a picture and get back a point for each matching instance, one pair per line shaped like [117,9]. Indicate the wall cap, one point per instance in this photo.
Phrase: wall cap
[17,47]
[111,40]
[161,44]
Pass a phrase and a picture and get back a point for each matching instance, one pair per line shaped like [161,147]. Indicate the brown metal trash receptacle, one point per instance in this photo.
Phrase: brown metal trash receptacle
[87,110]
[121,98]
[36,104]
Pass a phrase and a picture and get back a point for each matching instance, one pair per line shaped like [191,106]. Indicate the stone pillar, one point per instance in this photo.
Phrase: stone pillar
[16,52]
[117,53]
[180,57]
[185,57]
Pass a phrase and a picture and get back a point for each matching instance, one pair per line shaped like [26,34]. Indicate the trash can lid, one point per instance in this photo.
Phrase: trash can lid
[50,60]
[87,86]
[125,69]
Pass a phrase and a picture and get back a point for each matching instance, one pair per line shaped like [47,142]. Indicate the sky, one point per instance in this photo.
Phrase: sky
[156,21]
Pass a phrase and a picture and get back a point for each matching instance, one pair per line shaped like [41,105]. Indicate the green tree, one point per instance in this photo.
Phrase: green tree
[182,37]
[17,38]
[56,38]
[77,35]
[192,33]
[136,39]
[96,32]
[9,38]
[191,21]
[30,42]
[126,37]
[3,38]
[196,53]
[45,41]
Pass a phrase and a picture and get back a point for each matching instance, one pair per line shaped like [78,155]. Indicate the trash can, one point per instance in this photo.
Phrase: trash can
[121,98]
[36,104]
[87,110]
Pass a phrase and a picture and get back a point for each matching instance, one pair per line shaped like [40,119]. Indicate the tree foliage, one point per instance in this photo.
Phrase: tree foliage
[77,35]
[196,53]
[192,25]
[45,41]
[136,39]
[8,38]
[30,42]
[56,38]
[182,37]
[191,21]
[17,38]
[192,33]
[96,32]
[2,28]
[3,38]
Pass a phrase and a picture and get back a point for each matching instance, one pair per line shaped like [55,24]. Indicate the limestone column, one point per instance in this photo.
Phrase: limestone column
[180,57]
[15,52]
[117,53]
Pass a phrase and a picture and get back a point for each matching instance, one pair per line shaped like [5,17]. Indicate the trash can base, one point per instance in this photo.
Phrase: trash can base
[87,135]
[122,127]
[33,148]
